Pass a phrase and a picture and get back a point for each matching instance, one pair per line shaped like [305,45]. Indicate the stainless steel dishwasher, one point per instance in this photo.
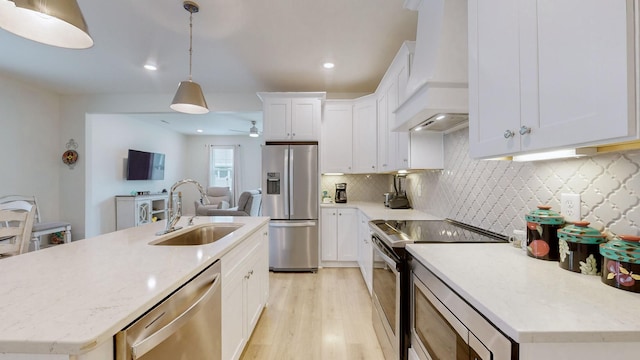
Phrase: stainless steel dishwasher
[185,325]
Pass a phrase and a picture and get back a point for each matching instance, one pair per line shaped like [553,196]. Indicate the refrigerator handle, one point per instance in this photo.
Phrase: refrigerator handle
[289,224]
[291,170]
[286,181]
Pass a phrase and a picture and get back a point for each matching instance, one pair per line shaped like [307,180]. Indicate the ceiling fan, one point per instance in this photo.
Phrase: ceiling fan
[253,130]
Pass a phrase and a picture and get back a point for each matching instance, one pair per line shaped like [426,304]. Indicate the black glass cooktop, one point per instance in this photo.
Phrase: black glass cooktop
[398,232]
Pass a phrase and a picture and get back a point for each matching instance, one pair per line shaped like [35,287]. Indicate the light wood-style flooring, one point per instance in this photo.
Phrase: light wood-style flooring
[326,315]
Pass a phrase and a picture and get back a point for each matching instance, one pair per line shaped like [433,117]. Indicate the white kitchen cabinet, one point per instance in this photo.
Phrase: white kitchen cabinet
[291,116]
[365,134]
[549,74]
[365,251]
[245,282]
[339,233]
[337,137]
[132,210]
[393,147]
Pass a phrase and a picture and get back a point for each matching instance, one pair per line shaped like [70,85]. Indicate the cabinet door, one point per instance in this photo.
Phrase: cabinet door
[305,119]
[253,291]
[143,212]
[494,77]
[233,317]
[277,119]
[395,161]
[365,134]
[384,163]
[348,234]
[337,137]
[584,74]
[329,233]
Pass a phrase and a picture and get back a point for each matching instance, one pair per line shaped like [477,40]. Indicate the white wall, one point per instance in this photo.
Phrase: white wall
[31,145]
[109,137]
[198,159]
[73,113]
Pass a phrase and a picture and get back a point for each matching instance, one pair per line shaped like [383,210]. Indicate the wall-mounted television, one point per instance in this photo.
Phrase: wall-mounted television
[142,165]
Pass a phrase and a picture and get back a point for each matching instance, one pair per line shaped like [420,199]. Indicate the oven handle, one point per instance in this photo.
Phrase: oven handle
[389,261]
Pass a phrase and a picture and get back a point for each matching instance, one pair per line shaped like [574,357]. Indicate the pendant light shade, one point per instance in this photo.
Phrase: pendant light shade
[53,22]
[189,98]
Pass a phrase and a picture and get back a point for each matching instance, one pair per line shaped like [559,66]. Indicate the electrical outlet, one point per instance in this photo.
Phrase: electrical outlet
[570,207]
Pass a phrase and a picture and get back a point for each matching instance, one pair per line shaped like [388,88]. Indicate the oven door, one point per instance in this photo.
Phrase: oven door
[436,333]
[386,298]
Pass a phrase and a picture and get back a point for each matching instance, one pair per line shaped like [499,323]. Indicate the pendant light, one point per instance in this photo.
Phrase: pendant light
[52,22]
[189,98]
[253,131]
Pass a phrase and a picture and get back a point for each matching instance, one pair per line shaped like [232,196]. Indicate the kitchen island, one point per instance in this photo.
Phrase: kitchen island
[72,299]
[552,313]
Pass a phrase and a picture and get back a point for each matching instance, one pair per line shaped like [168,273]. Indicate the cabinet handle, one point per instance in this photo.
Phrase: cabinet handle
[509,134]
[384,165]
[525,130]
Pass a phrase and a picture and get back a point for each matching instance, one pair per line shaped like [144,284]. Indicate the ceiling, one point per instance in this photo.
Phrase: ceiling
[238,46]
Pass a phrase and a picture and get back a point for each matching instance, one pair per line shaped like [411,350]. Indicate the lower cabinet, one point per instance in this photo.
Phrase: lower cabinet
[339,234]
[245,290]
[365,251]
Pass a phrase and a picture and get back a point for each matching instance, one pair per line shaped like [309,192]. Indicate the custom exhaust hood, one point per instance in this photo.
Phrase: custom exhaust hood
[437,89]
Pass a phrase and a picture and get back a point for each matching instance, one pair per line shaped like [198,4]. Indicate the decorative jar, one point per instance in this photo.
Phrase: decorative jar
[542,233]
[621,263]
[578,247]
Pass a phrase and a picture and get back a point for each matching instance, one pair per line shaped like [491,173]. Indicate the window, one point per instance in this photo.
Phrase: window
[221,166]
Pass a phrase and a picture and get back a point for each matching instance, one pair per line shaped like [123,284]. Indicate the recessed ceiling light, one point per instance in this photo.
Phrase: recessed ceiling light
[199,130]
[440,117]
[328,65]
[150,67]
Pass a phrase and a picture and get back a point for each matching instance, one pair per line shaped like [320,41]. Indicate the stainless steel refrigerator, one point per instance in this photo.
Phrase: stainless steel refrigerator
[290,197]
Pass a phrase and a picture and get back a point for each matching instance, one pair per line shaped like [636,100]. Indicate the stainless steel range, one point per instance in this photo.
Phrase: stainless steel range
[392,272]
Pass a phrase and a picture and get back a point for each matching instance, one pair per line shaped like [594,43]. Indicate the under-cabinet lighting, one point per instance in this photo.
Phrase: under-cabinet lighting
[402,171]
[150,67]
[557,154]
[199,130]
[440,117]
[333,174]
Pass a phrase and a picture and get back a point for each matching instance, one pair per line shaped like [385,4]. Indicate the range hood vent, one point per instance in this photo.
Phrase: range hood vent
[443,122]
[438,76]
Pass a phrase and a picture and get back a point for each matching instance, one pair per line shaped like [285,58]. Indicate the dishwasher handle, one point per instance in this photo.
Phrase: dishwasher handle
[145,345]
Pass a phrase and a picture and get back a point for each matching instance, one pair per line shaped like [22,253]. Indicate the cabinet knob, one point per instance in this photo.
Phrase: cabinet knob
[509,134]
[288,134]
[525,130]
[340,214]
[294,134]
[373,166]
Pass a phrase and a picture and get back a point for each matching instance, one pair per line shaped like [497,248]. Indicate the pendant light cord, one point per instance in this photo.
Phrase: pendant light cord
[190,42]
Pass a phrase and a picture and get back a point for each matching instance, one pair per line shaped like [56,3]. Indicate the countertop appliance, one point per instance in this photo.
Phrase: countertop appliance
[185,325]
[392,272]
[341,193]
[399,199]
[290,198]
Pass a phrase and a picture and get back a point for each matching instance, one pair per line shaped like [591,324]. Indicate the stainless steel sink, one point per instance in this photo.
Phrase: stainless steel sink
[199,235]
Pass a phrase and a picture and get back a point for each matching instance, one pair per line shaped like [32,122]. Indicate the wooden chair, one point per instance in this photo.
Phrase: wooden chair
[16,222]
[40,228]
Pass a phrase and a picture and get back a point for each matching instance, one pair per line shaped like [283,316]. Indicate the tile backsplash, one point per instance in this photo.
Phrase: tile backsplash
[497,194]
[359,187]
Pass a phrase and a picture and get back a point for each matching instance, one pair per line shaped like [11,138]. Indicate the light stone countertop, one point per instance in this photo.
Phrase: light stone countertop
[71,298]
[531,300]
[377,211]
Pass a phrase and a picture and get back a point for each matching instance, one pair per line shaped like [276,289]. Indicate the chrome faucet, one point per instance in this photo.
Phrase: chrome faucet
[174,216]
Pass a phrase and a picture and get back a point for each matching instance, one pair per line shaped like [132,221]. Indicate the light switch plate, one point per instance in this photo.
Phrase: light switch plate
[570,207]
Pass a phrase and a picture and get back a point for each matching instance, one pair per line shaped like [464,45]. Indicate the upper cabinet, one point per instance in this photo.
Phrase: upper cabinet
[365,132]
[337,137]
[292,116]
[550,74]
